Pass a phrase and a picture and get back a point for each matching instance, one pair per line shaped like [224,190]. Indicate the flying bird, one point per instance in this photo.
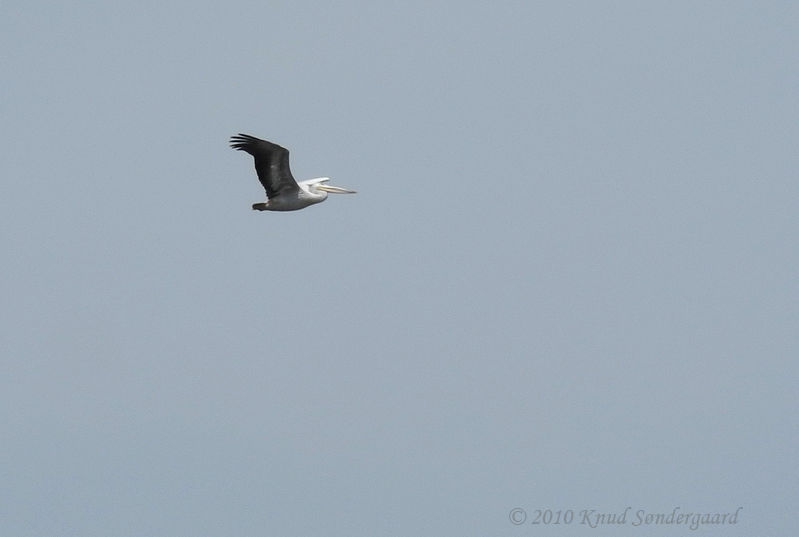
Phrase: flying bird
[282,191]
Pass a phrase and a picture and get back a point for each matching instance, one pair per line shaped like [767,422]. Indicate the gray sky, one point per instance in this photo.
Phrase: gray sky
[568,280]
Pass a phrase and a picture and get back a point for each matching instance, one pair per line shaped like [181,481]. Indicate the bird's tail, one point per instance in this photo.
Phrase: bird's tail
[259,206]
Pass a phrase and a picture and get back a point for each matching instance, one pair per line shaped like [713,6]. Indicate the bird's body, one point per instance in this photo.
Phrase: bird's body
[282,191]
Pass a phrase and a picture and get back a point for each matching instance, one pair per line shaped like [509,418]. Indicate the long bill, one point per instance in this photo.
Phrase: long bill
[335,189]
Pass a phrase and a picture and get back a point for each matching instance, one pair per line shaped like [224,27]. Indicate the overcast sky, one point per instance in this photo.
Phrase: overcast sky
[568,279]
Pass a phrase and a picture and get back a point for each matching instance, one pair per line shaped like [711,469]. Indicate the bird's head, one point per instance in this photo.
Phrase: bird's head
[319,184]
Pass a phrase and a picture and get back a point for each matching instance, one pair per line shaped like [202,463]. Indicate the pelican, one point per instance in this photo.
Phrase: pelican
[282,191]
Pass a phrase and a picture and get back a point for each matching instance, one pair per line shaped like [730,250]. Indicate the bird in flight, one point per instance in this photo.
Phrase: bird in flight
[282,191]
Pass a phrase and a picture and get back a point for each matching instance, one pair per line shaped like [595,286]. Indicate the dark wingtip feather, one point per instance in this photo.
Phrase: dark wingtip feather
[241,141]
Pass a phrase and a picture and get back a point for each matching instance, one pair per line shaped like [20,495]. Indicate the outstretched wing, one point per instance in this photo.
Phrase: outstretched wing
[271,163]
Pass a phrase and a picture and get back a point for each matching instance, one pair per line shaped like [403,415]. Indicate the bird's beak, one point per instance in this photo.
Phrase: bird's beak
[335,189]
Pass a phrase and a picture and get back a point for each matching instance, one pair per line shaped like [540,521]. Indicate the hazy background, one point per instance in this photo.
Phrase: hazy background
[568,280]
